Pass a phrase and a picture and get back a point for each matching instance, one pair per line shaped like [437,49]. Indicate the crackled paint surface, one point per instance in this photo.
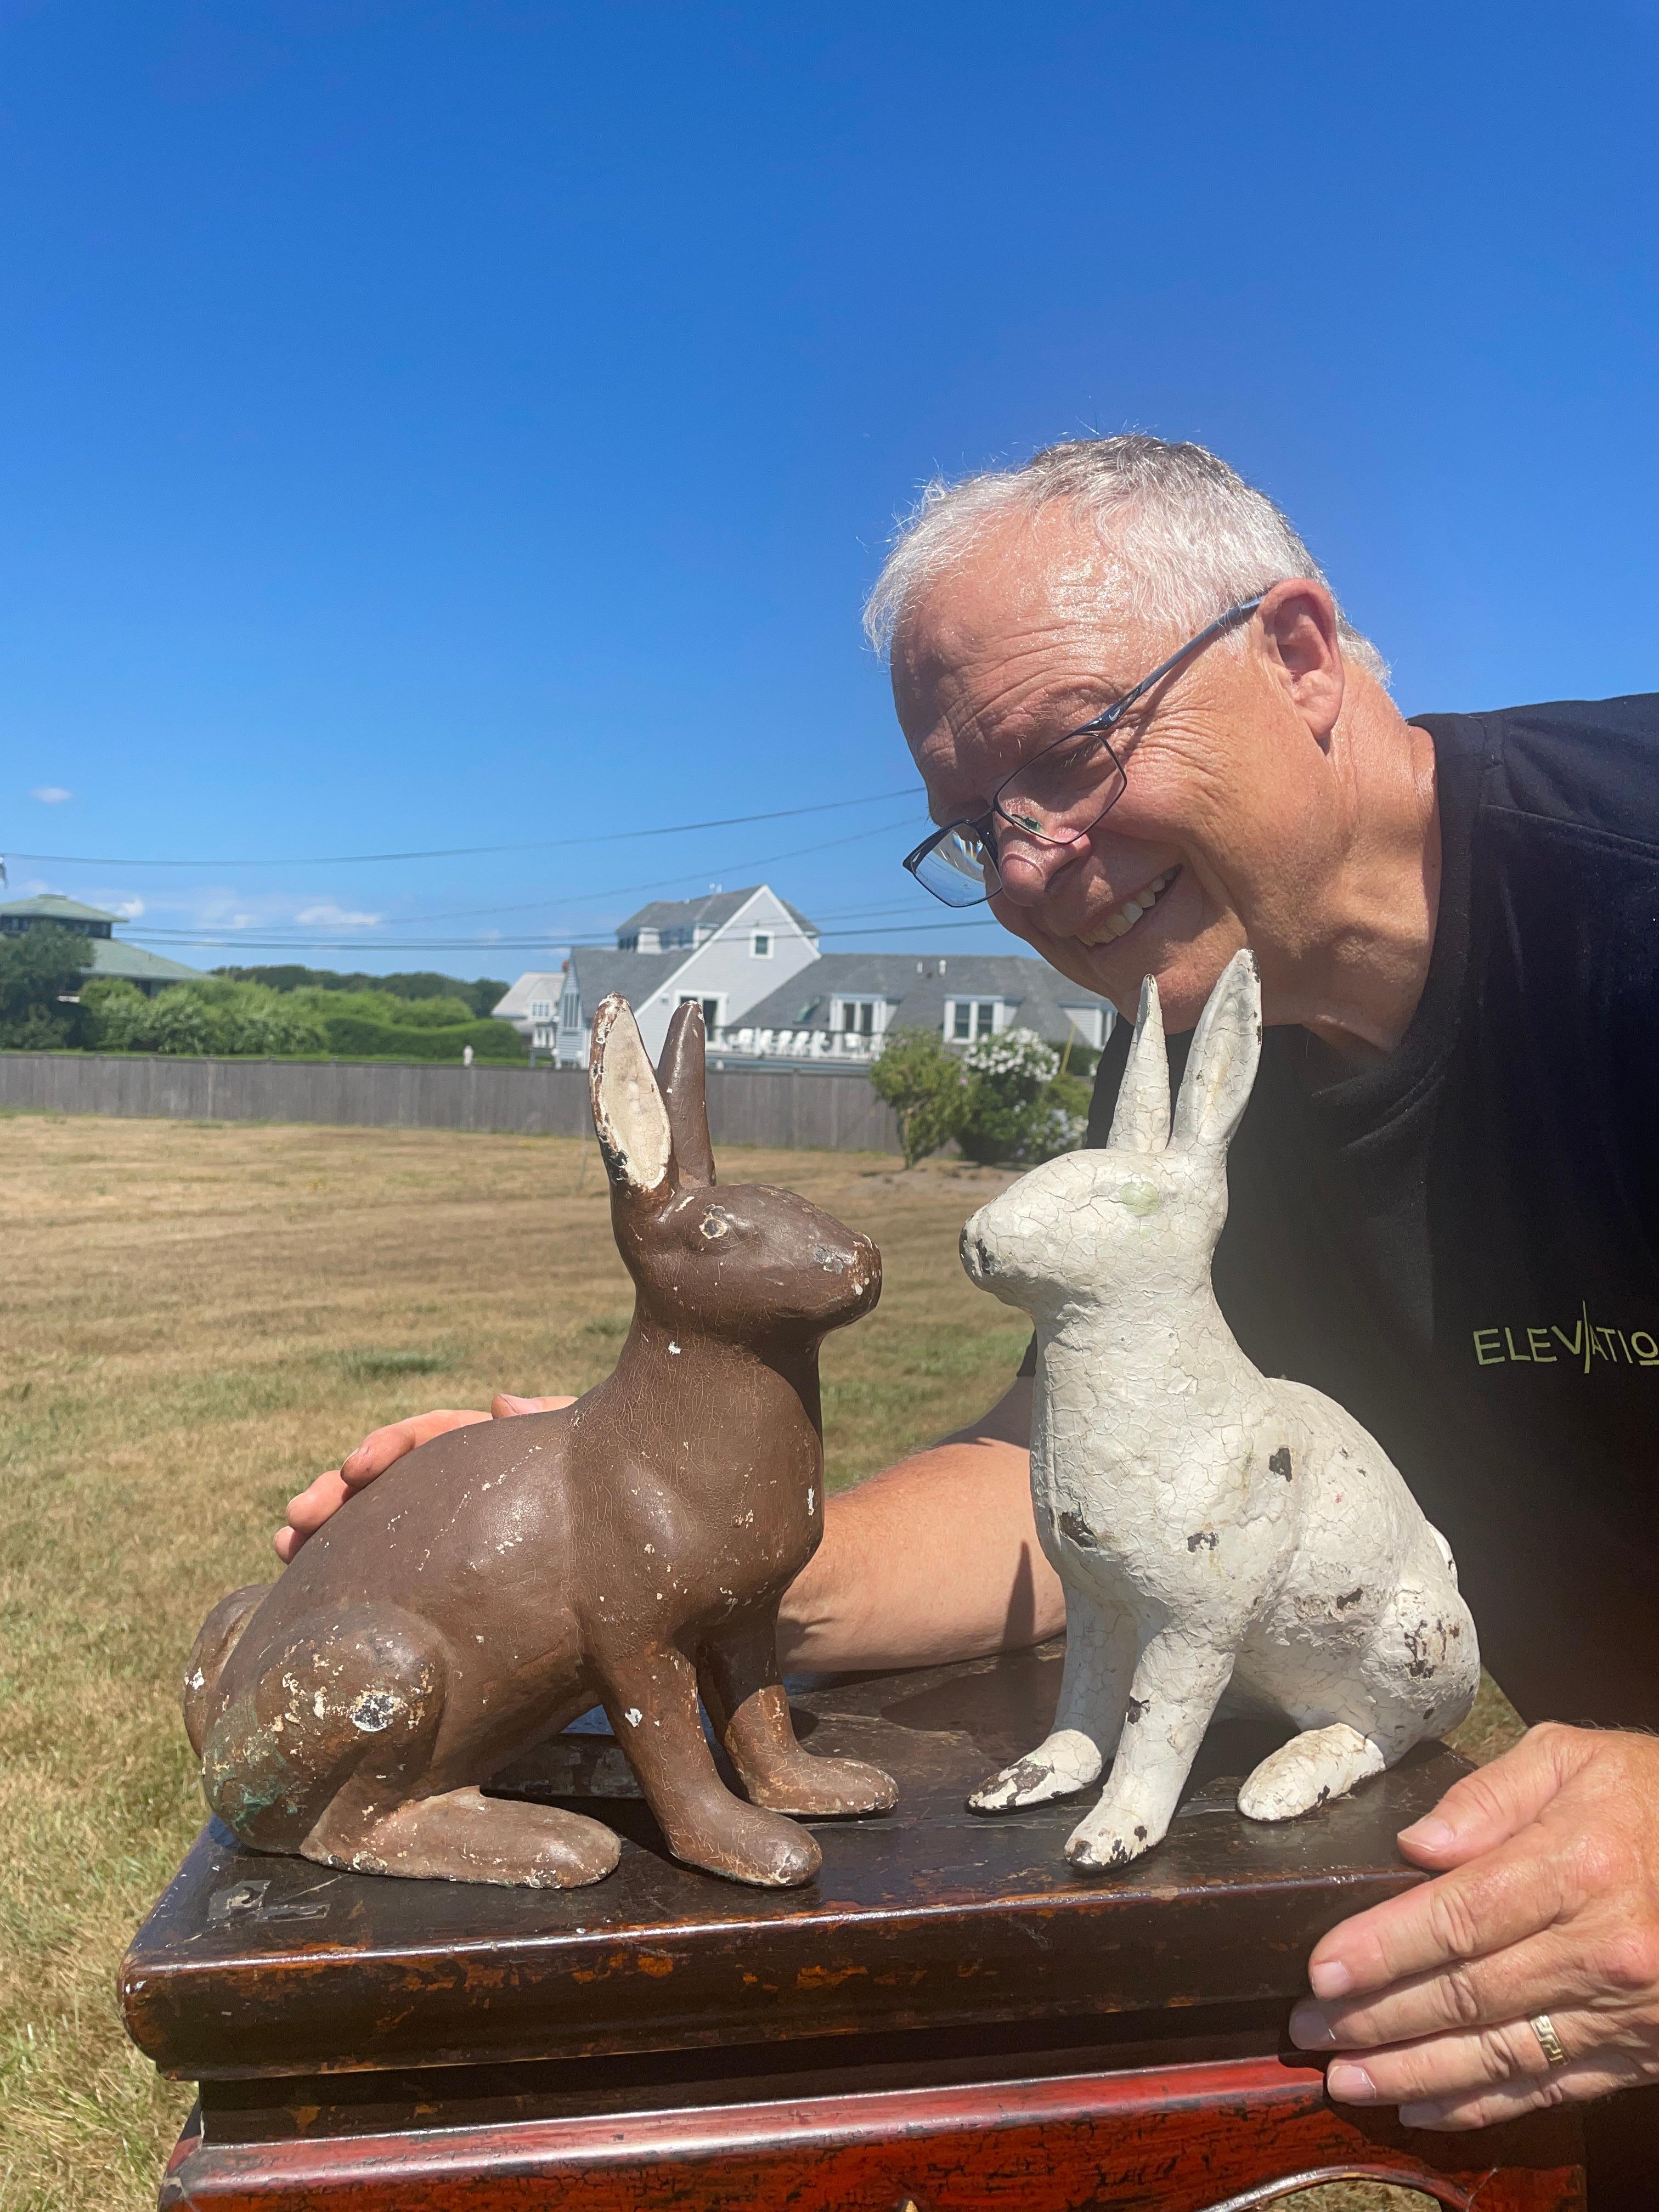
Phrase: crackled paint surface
[629,1550]
[1209,1524]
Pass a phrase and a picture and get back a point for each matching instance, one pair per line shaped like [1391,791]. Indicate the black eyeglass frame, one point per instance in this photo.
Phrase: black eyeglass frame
[983,825]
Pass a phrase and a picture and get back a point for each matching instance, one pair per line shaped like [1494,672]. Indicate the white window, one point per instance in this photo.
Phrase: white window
[541,1010]
[857,1017]
[569,1009]
[760,945]
[965,1019]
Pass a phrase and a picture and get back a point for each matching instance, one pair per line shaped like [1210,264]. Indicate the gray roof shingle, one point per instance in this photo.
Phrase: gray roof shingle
[110,958]
[707,912]
[52,906]
[600,968]
[917,988]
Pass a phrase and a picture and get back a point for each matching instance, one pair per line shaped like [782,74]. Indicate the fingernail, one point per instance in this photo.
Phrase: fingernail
[1432,1835]
[1329,1978]
[1309,2028]
[1419,2115]
[519,1404]
[1348,2083]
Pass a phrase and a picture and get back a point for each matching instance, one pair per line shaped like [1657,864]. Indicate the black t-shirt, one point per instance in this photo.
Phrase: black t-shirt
[1461,1244]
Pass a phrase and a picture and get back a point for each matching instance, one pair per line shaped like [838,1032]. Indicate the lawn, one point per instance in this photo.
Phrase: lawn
[193,1319]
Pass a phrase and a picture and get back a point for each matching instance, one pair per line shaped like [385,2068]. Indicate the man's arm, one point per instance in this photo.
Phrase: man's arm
[935,1559]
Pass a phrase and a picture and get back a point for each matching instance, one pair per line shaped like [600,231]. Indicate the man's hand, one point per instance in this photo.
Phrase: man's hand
[1548,1902]
[308,1512]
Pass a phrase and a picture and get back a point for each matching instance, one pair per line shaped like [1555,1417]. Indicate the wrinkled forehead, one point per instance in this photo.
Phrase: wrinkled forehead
[1027,631]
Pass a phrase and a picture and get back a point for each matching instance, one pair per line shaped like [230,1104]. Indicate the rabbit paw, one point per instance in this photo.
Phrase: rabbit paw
[1111,1838]
[748,1844]
[1309,1770]
[824,1789]
[1067,1762]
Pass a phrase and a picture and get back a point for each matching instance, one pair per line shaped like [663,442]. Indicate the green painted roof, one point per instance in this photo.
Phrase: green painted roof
[109,958]
[52,907]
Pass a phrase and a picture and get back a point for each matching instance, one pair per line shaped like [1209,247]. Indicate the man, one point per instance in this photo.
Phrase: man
[1444,1195]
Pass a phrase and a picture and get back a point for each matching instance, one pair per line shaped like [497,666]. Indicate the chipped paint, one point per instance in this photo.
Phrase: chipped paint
[1159,1450]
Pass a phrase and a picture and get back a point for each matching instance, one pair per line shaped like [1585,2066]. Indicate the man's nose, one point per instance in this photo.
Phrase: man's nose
[1029,865]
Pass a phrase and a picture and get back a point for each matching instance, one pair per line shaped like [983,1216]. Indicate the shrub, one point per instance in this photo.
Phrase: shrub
[1019,1107]
[39,968]
[481,996]
[373,1025]
[211,1017]
[926,1086]
[221,1016]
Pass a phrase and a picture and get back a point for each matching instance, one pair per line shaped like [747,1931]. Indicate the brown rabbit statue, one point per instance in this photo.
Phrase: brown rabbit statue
[620,1551]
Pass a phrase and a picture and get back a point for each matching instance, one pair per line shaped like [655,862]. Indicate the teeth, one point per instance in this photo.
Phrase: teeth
[1125,917]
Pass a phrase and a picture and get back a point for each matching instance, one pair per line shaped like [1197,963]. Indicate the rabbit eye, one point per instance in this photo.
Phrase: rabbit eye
[715,1222]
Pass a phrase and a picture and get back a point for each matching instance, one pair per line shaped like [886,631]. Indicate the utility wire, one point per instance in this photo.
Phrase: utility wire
[660,882]
[235,939]
[469,852]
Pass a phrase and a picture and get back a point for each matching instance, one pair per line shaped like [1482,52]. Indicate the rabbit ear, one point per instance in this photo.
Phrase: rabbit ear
[1141,1123]
[629,1113]
[680,1073]
[1222,1063]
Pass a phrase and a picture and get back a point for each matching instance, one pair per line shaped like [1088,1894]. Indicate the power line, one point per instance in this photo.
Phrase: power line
[661,882]
[236,940]
[471,852]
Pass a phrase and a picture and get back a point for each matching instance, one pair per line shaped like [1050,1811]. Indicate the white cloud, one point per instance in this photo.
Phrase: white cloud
[132,907]
[51,794]
[335,917]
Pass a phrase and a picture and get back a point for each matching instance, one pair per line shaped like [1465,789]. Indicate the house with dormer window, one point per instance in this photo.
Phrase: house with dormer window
[727,950]
[843,1007]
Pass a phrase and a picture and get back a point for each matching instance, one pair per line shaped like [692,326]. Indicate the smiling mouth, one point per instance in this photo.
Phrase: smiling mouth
[1122,919]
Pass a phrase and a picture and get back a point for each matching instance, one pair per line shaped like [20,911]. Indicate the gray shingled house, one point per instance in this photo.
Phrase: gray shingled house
[842,1006]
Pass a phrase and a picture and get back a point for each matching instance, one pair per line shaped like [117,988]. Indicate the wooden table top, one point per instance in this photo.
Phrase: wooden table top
[256,1965]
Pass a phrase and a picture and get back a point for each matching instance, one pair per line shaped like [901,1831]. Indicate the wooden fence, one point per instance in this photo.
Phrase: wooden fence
[835,1111]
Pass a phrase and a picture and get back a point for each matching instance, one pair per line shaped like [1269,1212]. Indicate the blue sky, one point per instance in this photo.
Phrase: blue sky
[475,425]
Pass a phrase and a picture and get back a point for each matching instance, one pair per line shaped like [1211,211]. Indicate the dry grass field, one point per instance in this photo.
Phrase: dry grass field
[194,1319]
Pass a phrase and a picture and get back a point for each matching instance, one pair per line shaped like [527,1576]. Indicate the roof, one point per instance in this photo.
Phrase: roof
[600,968]
[51,906]
[137,966]
[516,1000]
[917,989]
[709,912]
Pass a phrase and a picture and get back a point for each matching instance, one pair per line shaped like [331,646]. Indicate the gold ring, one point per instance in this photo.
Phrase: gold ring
[1548,2041]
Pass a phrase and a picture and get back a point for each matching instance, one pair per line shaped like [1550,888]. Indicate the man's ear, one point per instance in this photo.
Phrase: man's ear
[1304,653]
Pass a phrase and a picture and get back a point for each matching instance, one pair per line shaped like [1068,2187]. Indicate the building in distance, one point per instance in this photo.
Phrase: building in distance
[843,1007]
[768,994]
[108,954]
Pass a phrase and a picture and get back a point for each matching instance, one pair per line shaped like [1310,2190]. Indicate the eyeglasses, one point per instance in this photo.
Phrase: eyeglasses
[1055,798]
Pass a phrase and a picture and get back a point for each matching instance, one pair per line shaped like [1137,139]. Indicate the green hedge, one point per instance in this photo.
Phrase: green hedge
[350,1036]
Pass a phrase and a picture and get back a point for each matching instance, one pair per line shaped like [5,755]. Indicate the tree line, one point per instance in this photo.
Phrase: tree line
[49,1002]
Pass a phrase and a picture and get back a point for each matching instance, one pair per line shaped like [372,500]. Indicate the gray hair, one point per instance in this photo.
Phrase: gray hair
[1186,537]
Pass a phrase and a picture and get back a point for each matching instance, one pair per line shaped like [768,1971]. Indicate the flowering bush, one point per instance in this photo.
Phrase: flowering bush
[1019,1109]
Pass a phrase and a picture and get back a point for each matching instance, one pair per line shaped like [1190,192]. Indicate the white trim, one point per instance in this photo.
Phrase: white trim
[976,1004]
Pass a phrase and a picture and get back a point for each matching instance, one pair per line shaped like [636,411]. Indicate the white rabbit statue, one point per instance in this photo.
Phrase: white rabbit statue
[1205,1520]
